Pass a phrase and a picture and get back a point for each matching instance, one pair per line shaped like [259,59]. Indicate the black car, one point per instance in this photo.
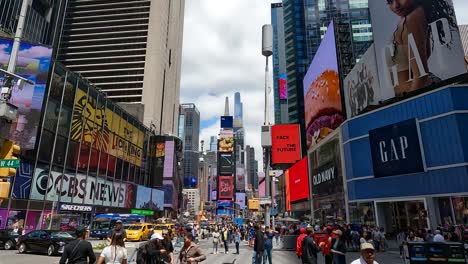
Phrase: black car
[8,238]
[51,242]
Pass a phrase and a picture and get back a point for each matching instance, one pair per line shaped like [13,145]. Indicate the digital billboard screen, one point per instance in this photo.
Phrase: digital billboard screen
[322,95]
[226,164]
[227,122]
[283,87]
[240,200]
[225,187]
[299,181]
[286,144]
[33,63]
[226,141]
[240,179]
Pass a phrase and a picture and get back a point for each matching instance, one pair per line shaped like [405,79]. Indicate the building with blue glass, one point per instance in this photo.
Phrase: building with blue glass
[406,164]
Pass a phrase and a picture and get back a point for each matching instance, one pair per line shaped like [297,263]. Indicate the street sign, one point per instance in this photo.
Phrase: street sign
[142,212]
[264,201]
[12,163]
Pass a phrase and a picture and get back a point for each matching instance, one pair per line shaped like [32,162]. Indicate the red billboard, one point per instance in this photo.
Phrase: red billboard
[299,181]
[288,191]
[225,188]
[286,145]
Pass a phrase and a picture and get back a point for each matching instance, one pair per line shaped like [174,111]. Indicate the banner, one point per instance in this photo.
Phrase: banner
[22,181]
[286,145]
[240,179]
[283,87]
[396,149]
[240,200]
[67,187]
[417,43]
[226,164]
[33,63]
[299,181]
[225,188]
[169,195]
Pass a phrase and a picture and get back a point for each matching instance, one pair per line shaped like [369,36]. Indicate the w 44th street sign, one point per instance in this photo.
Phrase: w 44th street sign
[14,163]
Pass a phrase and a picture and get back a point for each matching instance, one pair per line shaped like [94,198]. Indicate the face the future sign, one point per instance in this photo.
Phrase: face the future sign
[396,149]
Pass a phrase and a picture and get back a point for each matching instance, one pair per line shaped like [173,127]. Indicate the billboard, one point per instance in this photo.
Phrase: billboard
[227,122]
[286,144]
[254,204]
[417,43]
[157,199]
[169,159]
[226,164]
[240,179]
[283,87]
[322,95]
[287,190]
[143,199]
[240,200]
[225,188]
[168,189]
[130,196]
[157,160]
[361,85]
[226,141]
[299,181]
[33,63]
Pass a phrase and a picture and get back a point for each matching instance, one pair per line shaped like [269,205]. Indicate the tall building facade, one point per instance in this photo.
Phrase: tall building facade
[279,65]
[238,111]
[132,51]
[191,144]
[464,38]
[251,167]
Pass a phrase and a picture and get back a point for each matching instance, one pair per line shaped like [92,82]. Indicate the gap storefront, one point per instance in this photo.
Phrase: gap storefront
[406,165]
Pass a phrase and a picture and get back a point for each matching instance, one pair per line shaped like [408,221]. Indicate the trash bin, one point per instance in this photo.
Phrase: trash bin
[436,253]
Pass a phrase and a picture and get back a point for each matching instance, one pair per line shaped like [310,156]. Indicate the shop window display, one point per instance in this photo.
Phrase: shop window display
[362,213]
[460,208]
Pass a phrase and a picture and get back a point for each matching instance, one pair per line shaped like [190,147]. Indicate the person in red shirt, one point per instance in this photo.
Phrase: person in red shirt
[299,240]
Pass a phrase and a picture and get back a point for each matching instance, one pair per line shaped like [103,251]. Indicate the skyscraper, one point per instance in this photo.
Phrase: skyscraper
[238,111]
[251,167]
[132,51]
[191,144]
[213,143]
[464,38]
[279,65]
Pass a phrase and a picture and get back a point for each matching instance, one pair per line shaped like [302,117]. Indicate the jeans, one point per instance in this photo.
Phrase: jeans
[259,257]
[266,255]
[237,247]
[226,246]
[215,247]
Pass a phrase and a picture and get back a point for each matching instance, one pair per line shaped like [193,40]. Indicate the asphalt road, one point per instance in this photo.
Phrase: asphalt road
[245,256]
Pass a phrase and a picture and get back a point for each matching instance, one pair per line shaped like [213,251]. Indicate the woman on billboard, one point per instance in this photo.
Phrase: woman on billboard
[424,27]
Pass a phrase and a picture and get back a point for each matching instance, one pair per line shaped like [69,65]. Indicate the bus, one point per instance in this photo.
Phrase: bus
[102,224]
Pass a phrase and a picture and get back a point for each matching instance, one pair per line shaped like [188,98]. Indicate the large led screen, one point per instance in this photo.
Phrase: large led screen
[226,163]
[322,95]
[299,181]
[33,63]
[225,187]
[283,87]
[226,141]
[285,144]
[417,43]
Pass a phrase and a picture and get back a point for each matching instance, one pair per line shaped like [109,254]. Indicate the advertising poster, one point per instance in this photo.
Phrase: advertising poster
[169,159]
[22,181]
[417,43]
[33,63]
[226,164]
[130,196]
[286,144]
[240,200]
[227,122]
[299,181]
[213,195]
[225,188]
[157,198]
[226,141]
[143,200]
[361,85]
[157,156]
[240,179]
[283,87]
[322,95]
[168,189]
[225,207]
[287,190]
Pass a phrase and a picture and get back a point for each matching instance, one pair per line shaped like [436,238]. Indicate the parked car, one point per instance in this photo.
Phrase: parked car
[51,242]
[8,238]
[139,232]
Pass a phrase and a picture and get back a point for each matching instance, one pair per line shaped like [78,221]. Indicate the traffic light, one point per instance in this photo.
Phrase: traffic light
[8,164]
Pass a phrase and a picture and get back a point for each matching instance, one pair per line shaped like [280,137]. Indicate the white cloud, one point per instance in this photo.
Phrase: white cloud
[221,56]
[461,10]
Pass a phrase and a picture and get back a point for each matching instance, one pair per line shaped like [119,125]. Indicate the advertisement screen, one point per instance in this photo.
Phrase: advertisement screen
[143,200]
[240,179]
[226,163]
[225,187]
[322,95]
[169,159]
[286,145]
[168,188]
[130,196]
[226,141]
[33,63]
[227,122]
[283,87]
[157,199]
[299,181]
[287,190]
[361,85]
[240,200]
[157,160]
[416,43]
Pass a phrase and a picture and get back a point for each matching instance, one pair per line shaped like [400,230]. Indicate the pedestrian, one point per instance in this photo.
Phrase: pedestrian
[78,251]
[377,238]
[367,255]
[115,253]
[167,243]
[269,234]
[310,248]
[152,251]
[438,236]
[216,236]
[191,253]
[251,235]
[225,237]
[259,245]
[118,228]
[237,240]
[338,248]
[299,240]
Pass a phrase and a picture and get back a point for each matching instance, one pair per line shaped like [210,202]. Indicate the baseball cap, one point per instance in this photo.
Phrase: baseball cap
[118,222]
[156,236]
[365,246]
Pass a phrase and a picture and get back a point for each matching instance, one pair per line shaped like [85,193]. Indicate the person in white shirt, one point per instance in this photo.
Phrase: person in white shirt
[438,237]
[367,255]
[115,253]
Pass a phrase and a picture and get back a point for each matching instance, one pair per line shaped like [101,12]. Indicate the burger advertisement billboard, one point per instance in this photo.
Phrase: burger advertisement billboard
[299,181]
[322,95]
[226,141]
[285,144]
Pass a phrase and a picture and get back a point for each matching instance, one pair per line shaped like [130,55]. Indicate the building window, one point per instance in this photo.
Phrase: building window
[358,4]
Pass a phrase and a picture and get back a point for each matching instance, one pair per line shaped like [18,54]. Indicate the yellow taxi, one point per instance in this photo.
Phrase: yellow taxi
[139,232]
[159,228]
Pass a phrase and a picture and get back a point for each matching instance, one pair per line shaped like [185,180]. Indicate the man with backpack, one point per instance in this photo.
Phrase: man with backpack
[79,251]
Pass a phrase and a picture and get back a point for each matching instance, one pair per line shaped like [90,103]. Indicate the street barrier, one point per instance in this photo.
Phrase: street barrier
[436,253]
[289,242]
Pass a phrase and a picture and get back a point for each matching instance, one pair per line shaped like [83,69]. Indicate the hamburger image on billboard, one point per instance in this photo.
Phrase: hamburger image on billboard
[322,96]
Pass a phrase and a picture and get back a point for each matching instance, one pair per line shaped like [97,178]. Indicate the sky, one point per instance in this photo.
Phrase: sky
[222,55]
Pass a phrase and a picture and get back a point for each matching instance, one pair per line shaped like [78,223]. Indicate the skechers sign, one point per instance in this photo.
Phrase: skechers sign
[78,190]
[396,149]
[75,208]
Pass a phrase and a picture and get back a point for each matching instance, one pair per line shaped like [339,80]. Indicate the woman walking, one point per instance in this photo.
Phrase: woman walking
[216,236]
[338,248]
[115,253]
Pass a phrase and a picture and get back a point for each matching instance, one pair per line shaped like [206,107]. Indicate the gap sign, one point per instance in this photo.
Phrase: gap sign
[13,163]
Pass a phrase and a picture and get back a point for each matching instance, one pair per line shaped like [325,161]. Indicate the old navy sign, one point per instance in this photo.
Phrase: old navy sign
[64,207]
[396,149]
